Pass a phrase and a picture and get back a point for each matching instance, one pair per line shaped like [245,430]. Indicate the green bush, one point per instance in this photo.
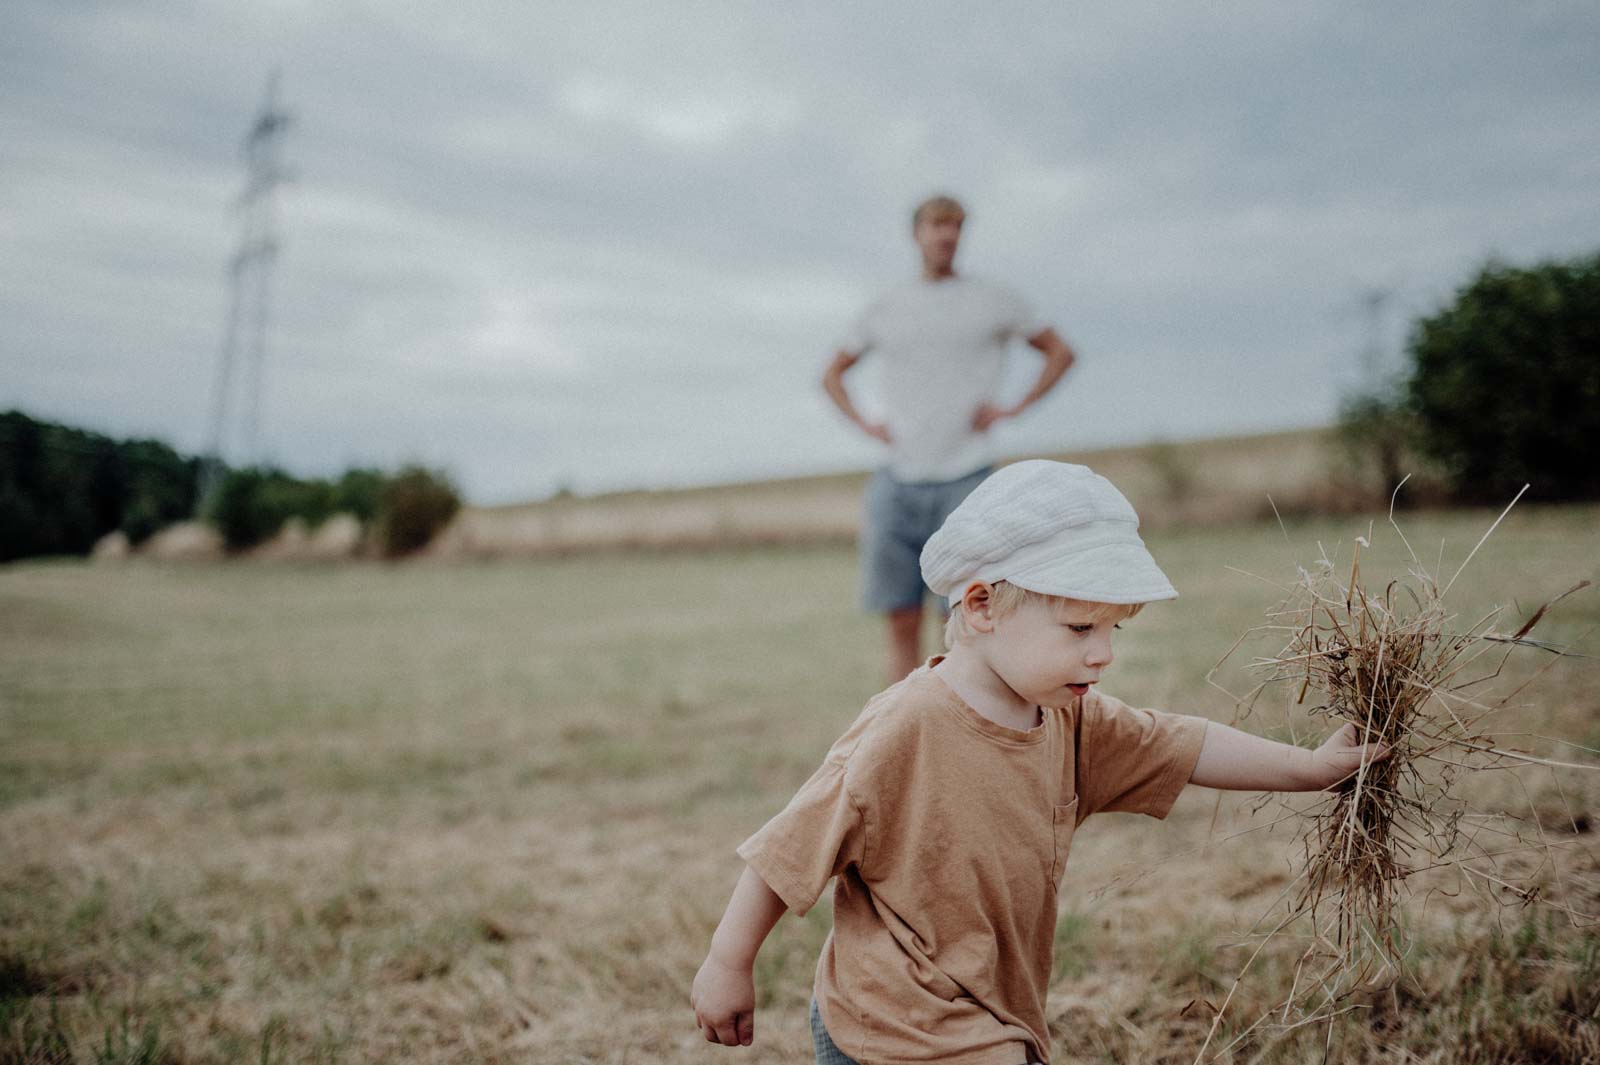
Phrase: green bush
[358,492]
[415,504]
[406,509]
[1506,382]
[252,504]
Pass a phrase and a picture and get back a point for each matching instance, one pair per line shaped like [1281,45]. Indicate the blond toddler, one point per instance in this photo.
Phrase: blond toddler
[945,813]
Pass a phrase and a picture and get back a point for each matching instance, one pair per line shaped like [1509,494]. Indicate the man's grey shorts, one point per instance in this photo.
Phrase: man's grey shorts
[897,517]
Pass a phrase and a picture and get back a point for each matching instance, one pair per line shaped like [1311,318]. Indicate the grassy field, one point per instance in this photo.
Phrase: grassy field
[460,813]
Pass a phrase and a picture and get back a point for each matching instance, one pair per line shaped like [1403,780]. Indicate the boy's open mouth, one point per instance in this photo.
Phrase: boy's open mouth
[1078,689]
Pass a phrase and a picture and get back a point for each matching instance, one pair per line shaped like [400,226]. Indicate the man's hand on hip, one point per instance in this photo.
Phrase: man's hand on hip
[987,414]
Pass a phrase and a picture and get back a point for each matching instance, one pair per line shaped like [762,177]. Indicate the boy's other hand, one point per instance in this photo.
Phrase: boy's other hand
[878,431]
[724,1002]
[1341,755]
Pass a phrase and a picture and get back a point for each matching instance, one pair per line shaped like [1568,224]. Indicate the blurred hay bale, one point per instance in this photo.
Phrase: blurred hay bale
[112,547]
[187,541]
[288,544]
[337,538]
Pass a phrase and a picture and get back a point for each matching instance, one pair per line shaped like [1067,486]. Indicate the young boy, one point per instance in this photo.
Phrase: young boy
[947,809]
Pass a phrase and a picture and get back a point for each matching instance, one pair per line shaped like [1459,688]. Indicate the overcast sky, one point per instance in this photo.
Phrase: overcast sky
[607,245]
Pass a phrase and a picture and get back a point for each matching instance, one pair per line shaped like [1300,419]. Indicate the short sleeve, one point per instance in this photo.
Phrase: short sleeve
[860,336]
[817,836]
[1020,319]
[1133,761]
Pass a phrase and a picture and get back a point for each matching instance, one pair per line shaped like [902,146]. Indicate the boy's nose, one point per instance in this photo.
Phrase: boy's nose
[1099,654]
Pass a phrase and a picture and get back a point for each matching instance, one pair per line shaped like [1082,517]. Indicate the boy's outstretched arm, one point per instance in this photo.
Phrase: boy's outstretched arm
[1238,761]
[724,993]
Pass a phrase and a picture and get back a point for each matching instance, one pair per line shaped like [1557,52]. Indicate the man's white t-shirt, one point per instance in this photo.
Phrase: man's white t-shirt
[942,345]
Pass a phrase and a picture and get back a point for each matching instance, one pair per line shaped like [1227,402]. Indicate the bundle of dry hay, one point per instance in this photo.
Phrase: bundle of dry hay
[1392,664]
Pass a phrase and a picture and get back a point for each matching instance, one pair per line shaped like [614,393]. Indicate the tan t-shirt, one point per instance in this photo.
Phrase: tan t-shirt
[948,834]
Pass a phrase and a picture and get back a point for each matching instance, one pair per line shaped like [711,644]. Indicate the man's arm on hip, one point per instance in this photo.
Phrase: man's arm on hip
[833,384]
[1058,356]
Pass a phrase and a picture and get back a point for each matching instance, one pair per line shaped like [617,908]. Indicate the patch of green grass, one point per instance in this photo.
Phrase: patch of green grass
[165,931]
[1191,960]
[33,1036]
[732,783]
[89,910]
[23,779]
[789,958]
[613,757]
[133,1041]
[1074,945]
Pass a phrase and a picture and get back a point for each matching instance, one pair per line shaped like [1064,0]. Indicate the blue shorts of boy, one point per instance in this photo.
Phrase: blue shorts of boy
[822,1045]
[897,517]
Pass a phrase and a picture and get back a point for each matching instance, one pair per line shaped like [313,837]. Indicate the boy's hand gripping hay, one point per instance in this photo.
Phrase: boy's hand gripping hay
[1387,668]
[1391,666]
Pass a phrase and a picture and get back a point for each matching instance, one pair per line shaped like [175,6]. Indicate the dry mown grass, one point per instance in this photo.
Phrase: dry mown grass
[487,813]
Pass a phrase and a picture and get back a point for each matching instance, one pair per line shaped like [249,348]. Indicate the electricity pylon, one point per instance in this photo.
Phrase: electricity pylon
[246,327]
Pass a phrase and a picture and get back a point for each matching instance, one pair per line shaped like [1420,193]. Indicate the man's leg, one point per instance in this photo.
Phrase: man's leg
[905,631]
[934,503]
[891,578]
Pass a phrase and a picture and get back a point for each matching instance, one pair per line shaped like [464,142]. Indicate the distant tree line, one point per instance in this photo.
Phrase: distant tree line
[62,489]
[1501,387]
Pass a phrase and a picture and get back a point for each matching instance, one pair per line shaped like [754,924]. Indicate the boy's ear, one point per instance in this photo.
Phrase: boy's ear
[976,603]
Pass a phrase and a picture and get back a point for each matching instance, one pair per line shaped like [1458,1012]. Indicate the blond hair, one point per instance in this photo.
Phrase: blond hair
[1006,598]
[940,206]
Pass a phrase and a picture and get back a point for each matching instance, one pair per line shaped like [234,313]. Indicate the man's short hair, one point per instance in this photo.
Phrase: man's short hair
[936,207]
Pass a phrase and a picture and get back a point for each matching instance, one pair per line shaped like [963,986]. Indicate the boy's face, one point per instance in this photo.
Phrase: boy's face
[1050,653]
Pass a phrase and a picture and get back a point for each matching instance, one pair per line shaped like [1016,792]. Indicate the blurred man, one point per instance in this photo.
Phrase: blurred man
[942,340]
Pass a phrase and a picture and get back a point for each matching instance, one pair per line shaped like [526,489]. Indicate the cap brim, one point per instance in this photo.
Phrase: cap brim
[1122,573]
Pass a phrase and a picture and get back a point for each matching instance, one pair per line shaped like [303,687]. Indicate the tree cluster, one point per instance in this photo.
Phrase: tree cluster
[61,488]
[1506,382]
[403,511]
[1501,388]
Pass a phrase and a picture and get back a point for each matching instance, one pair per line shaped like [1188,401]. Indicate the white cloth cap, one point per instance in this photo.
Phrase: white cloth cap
[1049,527]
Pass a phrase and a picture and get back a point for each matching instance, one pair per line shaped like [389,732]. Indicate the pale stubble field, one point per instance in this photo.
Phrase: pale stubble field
[487,812]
